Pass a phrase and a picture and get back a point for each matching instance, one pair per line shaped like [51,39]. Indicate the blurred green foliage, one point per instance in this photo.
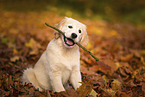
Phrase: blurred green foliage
[112,10]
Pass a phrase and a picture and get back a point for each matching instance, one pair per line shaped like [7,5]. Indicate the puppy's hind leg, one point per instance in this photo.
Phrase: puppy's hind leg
[30,77]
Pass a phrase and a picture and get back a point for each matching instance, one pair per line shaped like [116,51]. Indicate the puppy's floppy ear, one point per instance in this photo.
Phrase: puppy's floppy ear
[84,38]
[59,26]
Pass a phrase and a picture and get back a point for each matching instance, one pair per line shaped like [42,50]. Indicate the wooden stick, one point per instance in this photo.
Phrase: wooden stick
[75,43]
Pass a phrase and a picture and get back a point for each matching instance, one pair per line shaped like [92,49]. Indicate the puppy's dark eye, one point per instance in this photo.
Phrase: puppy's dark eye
[70,27]
[80,31]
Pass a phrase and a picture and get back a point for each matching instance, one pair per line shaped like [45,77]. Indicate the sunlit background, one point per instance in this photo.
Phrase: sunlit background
[130,11]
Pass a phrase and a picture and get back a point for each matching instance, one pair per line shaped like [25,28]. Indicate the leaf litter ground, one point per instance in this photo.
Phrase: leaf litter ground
[120,48]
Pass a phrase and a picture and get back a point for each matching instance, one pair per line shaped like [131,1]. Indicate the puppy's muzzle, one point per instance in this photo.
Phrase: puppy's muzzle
[70,41]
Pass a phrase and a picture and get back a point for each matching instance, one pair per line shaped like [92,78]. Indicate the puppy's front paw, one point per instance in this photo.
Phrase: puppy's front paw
[59,90]
[78,85]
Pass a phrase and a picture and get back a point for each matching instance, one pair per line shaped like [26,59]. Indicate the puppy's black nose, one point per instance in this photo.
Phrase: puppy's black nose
[73,35]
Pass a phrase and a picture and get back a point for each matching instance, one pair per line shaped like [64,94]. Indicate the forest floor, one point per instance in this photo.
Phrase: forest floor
[120,48]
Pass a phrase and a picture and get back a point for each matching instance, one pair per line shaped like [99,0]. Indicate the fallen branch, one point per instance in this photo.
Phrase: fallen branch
[75,43]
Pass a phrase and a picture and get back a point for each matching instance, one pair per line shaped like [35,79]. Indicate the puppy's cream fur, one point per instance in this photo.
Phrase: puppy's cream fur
[59,63]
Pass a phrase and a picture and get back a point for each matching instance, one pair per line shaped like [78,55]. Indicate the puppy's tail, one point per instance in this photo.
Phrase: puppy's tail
[30,77]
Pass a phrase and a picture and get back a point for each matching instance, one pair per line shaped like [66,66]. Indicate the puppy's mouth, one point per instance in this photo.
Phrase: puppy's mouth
[69,41]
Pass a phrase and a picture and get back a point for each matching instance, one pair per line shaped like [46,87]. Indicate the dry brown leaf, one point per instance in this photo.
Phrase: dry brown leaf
[15,58]
[114,66]
[116,85]
[86,70]
[85,89]
[15,51]
[127,57]
[111,92]
[103,67]
[34,46]
[93,93]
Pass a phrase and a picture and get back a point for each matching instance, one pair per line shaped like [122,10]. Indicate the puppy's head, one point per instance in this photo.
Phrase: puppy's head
[74,32]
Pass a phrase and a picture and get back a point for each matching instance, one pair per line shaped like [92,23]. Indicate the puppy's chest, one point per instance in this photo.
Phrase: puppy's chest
[69,62]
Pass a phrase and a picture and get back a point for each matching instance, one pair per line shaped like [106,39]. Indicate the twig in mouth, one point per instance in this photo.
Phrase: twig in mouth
[75,43]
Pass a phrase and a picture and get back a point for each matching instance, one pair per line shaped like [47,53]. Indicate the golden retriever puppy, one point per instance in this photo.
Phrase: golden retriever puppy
[60,62]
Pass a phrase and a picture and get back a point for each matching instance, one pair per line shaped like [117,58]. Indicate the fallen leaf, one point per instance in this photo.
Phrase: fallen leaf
[143,87]
[127,57]
[93,93]
[15,58]
[85,89]
[116,85]
[142,52]
[111,64]
[113,33]
[105,78]
[15,51]
[4,40]
[142,60]
[103,67]
[111,92]
[33,45]
[85,70]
